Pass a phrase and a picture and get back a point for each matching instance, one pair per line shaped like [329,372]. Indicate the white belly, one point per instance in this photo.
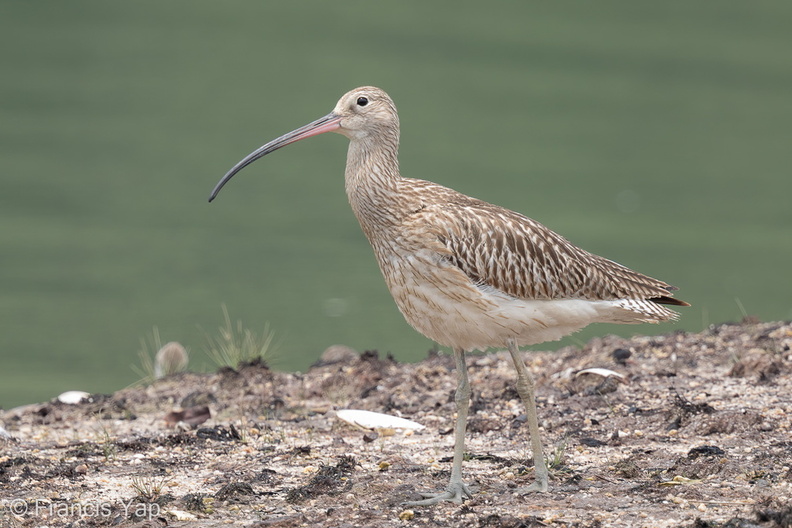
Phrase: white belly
[440,302]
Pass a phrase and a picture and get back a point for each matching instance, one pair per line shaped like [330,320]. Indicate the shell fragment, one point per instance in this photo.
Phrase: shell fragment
[377,421]
[605,373]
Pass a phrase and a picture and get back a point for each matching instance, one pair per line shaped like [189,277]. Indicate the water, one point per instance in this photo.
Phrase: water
[654,134]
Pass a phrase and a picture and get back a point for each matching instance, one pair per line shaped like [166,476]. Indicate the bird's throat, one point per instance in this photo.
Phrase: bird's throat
[371,180]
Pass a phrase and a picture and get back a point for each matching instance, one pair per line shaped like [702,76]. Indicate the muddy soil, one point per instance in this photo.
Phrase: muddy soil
[697,433]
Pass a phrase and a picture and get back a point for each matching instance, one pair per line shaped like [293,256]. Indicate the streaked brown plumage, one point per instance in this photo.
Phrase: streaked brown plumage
[466,273]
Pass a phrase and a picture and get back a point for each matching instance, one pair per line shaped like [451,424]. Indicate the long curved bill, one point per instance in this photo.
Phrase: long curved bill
[328,123]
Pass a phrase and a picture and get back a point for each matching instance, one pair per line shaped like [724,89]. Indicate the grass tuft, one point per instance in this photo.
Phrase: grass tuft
[235,344]
[149,489]
[148,348]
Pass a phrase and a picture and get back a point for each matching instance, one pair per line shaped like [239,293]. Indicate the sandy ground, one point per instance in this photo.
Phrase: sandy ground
[697,435]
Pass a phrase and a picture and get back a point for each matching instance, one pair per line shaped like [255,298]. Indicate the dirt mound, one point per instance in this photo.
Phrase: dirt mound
[693,430]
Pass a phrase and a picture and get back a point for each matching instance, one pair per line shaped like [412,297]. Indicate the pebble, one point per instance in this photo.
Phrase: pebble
[73,397]
[182,515]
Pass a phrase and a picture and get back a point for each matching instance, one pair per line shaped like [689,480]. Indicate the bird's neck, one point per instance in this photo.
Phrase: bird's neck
[372,180]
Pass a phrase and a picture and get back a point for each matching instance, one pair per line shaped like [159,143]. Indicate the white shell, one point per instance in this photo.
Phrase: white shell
[182,515]
[605,373]
[73,397]
[5,434]
[373,420]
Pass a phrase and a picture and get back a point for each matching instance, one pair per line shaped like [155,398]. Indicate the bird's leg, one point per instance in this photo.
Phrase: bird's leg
[457,491]
[525,388]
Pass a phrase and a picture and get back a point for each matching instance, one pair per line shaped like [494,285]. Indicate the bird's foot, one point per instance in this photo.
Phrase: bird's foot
[539,486]
[456,492]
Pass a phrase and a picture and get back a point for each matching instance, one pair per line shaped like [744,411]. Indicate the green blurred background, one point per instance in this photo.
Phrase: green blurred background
[658,134]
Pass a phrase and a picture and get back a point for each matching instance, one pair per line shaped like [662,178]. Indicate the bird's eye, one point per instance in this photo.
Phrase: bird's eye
[362,101]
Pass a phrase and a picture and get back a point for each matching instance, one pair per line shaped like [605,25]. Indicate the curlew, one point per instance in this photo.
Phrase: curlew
[468,274]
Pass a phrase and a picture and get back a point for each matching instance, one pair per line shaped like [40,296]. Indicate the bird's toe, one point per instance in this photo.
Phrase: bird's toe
[456,492]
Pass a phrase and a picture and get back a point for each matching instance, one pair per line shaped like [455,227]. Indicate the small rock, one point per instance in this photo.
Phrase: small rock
[192,416]
[621,355]
[706,450]
[170,359]
[336,354]
[73,397]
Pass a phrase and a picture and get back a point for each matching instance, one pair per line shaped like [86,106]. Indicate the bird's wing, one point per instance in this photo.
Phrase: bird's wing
[508,251]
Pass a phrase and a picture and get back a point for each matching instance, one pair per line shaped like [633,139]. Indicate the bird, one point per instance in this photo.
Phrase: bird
[468,274]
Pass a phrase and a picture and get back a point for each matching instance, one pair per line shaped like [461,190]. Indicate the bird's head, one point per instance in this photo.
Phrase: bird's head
[366,111]
[364,114]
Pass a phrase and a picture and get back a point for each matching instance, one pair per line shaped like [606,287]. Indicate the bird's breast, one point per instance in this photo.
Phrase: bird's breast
[435,298]
[445,305]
